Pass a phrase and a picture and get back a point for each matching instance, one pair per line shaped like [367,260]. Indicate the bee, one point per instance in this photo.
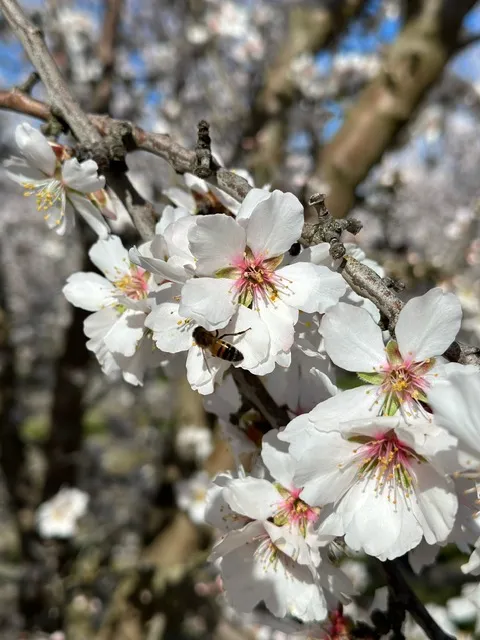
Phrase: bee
[217,345]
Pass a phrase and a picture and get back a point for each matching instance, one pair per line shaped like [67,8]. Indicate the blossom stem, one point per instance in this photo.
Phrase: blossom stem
[406,596]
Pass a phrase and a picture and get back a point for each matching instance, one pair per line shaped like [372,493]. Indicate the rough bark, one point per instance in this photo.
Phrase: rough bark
[412,65]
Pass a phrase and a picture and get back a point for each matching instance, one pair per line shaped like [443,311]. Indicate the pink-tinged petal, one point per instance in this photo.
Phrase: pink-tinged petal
[171,332]
[125,334]
[90,214]
[110,256]
[311,287]
[203,370]
[456,406]
[275,224]
[35,148]
[352,339]
[252,497]
[209,301]
[89,291]
[83,176]
[251,200]
[216,241]
[428,325]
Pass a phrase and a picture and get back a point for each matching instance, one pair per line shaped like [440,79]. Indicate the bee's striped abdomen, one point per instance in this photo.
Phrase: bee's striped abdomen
[228,352]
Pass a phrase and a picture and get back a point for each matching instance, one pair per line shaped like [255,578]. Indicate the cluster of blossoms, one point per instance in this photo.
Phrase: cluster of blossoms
[380,429]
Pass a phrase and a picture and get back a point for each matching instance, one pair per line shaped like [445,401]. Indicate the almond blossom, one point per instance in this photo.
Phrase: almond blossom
[57,517]
[270,552]
[120,303]
[59,185]
[174,333]
[238,263]
[400,374]
[375,471]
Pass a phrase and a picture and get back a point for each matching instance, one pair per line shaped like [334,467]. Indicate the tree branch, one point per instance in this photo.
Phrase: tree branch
[404,595]
[414,62]
[106,54]
[60,95]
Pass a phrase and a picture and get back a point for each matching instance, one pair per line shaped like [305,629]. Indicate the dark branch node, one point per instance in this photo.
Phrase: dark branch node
[328,229]
[29,83]
[204,166]
[393,283]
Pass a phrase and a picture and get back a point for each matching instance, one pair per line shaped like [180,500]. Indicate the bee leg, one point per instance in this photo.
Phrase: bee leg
[239,333]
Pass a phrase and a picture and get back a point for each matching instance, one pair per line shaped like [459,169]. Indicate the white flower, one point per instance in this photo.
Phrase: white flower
[269,552]
[173,333]
[375,471]
[191,496]
[401,373]
[120,301]
[168,256]
[59,187]
[194,442]
[237,264]
[57,517]
[455,401]
[200,197]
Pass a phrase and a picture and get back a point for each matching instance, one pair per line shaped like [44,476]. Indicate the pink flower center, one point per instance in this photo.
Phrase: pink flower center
[134,285]
[292,510]
[256,279]
[387,461]
[402,382]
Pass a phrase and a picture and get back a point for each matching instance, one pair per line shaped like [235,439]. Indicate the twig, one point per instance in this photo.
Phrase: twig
[60,95]
[254,392]
[405,595]
[203,151]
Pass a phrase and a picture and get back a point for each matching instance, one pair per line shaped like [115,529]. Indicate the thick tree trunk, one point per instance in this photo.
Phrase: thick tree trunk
[413,64]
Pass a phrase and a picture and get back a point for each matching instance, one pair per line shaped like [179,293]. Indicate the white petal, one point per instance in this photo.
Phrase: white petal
[352,404]
[90,214]
[209,301]
[275,224]
[35,148]
[171,332]
[352,339]
[277,459]
[251,200]
[176,238]
[280,325]
[363,509]
[311,287]
[428,325]
[252,497]
[456,406]
[254,345]
[169,216]
[125,334]
[181,198]
[228,201]
[171,270]
[110,256]
[89,291]
[20,172]
[203,370]
[83,176]
[216,241]
[437,503]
